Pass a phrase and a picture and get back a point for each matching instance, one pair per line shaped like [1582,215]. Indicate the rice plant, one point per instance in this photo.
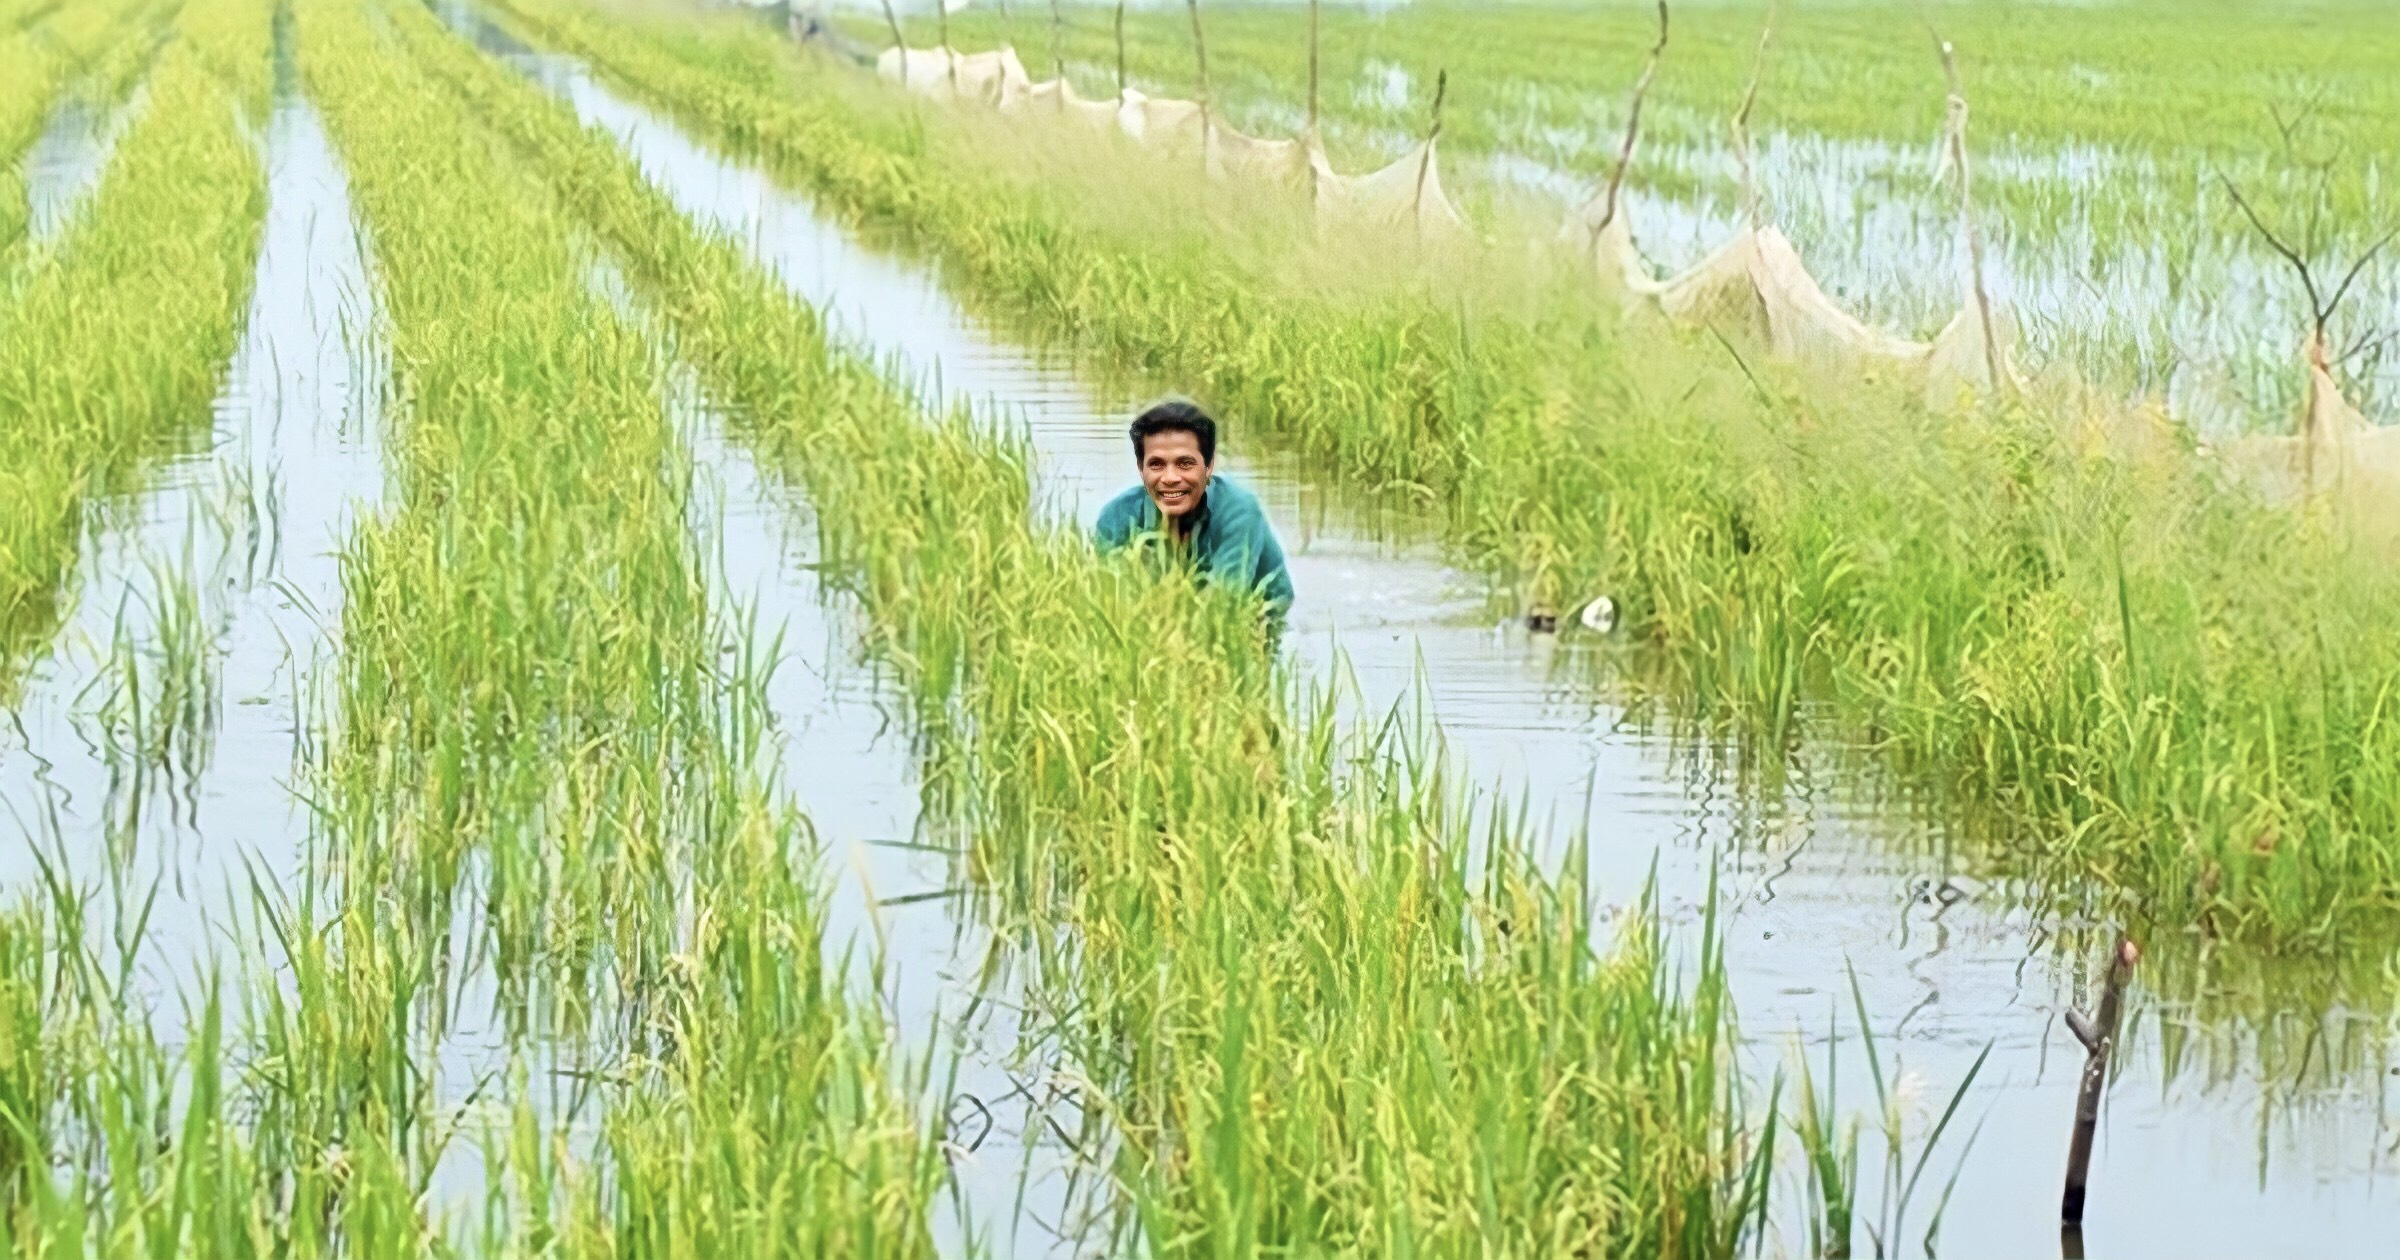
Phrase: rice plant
[110,355]
[2121,714]
[1293,1002]
[540,755]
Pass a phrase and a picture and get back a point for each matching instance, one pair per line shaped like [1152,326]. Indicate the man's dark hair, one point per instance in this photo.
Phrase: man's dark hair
[1176,415]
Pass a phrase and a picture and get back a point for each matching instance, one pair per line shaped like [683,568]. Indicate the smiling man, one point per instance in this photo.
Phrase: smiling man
[1204,519]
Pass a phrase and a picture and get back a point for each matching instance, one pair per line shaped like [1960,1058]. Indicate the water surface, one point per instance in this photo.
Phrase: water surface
[2218,1140]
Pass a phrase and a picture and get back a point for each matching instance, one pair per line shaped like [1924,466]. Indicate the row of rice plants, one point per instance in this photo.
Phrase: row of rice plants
[2093,659]
[97,49]
[544,778]
[111,358]
[1308,1019]
[580,816]
[111,352]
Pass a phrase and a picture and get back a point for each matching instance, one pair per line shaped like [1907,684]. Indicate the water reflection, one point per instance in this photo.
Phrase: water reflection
[221,583]
[66,161]
[2243,1161]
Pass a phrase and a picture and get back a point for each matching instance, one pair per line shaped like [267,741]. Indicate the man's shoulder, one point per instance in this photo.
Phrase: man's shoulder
[1123,512]
[1234,499]
[1238,510]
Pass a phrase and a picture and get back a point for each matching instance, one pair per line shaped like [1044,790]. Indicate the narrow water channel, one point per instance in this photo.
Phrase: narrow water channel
[846,758]
[66,160]
[220,585]
[2216,1141]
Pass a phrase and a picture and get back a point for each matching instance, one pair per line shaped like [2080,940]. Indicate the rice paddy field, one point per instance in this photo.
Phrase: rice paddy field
[561,702]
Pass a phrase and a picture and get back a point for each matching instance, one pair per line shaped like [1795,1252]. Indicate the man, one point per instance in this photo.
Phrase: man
[1206,520]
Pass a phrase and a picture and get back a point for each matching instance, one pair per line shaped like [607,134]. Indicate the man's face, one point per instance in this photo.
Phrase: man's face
[1173,472]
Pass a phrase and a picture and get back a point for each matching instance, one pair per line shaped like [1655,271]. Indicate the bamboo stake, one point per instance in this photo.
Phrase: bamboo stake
[1208,129]
[1120,52]
[1956,126]
[1633,130]
[2098,1038]
[1441,89]
[949,54]
[1312,70]
[899,40]
[1741,127]
[1058,52]
[1199,54]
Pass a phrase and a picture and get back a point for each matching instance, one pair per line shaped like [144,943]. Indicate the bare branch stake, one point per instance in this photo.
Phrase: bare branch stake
[2098,1037]
[1956,126]
[1741,125]
[1633,129]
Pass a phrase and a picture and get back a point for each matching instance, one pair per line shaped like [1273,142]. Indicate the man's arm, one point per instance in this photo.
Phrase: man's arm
[1114,530]
[1269,577]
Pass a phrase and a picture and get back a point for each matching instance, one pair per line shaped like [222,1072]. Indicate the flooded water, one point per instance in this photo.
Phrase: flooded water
[847,760]
[66,160]
[2196,311]
[2216,1141]
[159,740]
[215,597]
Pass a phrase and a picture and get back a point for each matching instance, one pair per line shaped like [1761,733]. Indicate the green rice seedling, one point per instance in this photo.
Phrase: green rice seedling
[1828,1142]
[110,355]
[1829,1148]
[1776,540]
[543,781]
[1297,1004]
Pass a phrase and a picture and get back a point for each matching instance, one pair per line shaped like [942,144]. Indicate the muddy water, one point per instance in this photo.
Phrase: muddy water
[2216,1141]
[220,583]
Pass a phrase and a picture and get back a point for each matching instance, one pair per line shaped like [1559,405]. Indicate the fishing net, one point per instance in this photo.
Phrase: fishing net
[1405,194]
[1060,97]
[1756,287]
[1159,122]
[1233,155]
[947,74]
[2337,451]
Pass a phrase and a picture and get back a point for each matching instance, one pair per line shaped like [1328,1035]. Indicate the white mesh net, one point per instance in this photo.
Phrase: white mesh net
[2337,452]
[1159,122]
[947,74]
[1233,155]
[1405,194]
[1057,96]
[1755,286]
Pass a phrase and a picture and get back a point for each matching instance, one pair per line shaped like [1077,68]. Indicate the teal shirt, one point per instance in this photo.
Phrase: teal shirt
[1231,544]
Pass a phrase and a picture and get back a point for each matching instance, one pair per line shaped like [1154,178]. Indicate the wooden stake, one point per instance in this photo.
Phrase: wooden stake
[1058,52]
[2098,1038]
[1957,129]
[1199,53]
[1312,69]
[1741,127]
[1120,52]
[949,54]
[1633,129]
[899,40]
[1441,88]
